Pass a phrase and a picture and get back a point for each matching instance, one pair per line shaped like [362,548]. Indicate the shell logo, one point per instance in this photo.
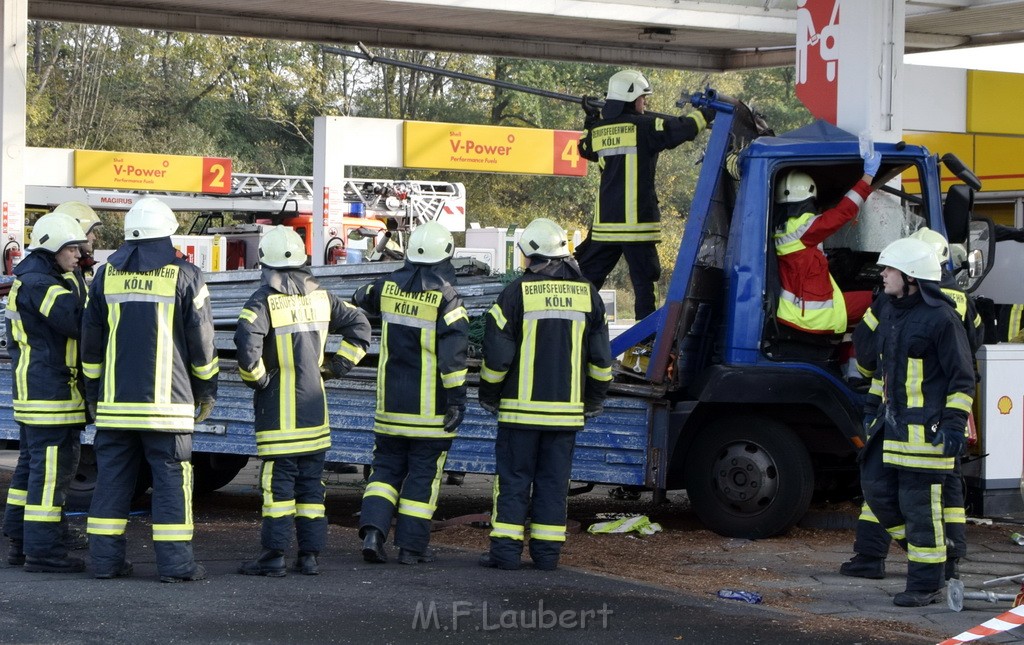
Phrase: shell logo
[1004,405]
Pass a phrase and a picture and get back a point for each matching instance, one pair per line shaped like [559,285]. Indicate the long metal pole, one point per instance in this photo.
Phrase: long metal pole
[365,54]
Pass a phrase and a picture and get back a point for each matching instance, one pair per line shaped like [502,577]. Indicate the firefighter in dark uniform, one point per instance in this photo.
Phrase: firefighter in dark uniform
[149,362]
[923,389]
[293,431]
[547,366]
[89,221]
[44,313]
[871,544]
[421,393]
[626,143]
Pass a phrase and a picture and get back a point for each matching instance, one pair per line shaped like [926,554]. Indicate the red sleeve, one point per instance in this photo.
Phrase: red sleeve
[833,219]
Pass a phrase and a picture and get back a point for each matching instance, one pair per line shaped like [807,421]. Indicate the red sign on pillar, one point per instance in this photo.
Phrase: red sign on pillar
[817,57]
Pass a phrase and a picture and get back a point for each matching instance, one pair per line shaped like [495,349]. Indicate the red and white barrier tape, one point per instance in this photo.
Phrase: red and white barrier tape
[1001,623]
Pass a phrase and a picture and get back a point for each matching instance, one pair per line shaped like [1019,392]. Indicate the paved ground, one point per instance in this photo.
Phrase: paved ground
[805,600]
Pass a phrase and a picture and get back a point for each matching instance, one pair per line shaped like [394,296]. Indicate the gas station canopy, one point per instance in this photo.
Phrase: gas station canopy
[709,35]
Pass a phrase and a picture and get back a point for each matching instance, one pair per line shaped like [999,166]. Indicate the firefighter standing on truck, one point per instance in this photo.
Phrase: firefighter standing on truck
[43,317]
[626,143]
[547,366]
[149,362]
[916,413]
[871,545]
[281,335]
[421,393]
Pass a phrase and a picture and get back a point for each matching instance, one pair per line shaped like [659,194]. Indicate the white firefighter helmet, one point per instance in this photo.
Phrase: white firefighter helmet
[149,219]
[430,243]
[627,86]
[282,248]
[939,244]
[544,238]
[53,231]
[84,213]
[915,258]
[794,186]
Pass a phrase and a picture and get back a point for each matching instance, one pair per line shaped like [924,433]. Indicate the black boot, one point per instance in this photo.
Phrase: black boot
[198,573]
[405,556]
[307,564]
[917,598]
[16,554]
[864,566]
[123,571]
[489,561]
[270,564]
[54,565]
[373,546]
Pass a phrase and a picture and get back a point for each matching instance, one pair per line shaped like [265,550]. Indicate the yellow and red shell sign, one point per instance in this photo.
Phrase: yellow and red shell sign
[489,148]
[141,171]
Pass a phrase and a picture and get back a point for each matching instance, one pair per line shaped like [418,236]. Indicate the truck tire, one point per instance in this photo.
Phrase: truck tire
[749,477]
[83,483]
[213,471]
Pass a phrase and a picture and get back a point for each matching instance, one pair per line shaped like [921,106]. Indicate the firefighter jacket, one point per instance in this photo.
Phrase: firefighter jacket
[924,381]
[546,350]
[1010,323]
[421,371]
[281,335]
[44,314]
[147,340]
[626,149]
[810,299]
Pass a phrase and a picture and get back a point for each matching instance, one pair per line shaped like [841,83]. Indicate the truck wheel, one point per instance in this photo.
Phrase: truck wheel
[749,477]
[213,471]
[83,483]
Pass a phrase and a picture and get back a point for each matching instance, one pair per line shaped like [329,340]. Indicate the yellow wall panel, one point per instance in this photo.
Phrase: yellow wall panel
[993,102]
[999,162]
[962,145]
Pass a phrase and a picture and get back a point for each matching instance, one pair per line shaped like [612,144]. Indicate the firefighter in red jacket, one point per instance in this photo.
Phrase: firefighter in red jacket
[280,338]
[547,366]
[149,362]
[421,393]
[810,300]
[44,312]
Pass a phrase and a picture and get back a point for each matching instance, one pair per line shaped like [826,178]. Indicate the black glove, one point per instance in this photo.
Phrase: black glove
[335,367]
[490,405]
[204,408]
[453,417]
[708,114]
[592,409]
[591,108]
[952,440]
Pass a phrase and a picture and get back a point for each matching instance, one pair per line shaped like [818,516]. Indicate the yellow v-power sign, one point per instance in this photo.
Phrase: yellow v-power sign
[139,171]
[488,148]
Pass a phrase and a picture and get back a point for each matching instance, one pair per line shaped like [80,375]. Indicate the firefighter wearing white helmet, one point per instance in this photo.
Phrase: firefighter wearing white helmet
[625,143]
[89,221]
[916,433]
[421,394]
[280,340]
[809,298]
[872,542]
[150,369]
[546,368]
[44,313]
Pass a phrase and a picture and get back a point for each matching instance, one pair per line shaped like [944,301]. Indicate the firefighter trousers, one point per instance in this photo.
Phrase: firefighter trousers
[293,494]
[908,504]
[873,540]
[17,493]
[119,455]
[405,476]
[53,456]
[598,259]
[532,479]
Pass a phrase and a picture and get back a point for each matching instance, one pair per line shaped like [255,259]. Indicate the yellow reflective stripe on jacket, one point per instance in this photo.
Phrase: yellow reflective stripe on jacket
[142,408]
[92,370]
[498,315]
[459,313]
[866,514]
[43,418]
[248,316]
[454,379]
[959,401]
[920,455]
[788,240]
[17,497]
[279,509]
[511,531]
[931,554]
[200,300]
[412,508]
[256,374]
[381,489]
[877,388]
[167,424]
[286,389]
[1013,326]
[206,372]
[310,511]
[45,510]
[54,292]
[106,525]
[548,532]
[870,319]
[599,373]
[954,514]
[351,352]
[915,379]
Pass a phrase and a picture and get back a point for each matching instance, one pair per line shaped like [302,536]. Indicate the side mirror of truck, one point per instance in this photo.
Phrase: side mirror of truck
[962,172]
[956,213]
[980,255]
